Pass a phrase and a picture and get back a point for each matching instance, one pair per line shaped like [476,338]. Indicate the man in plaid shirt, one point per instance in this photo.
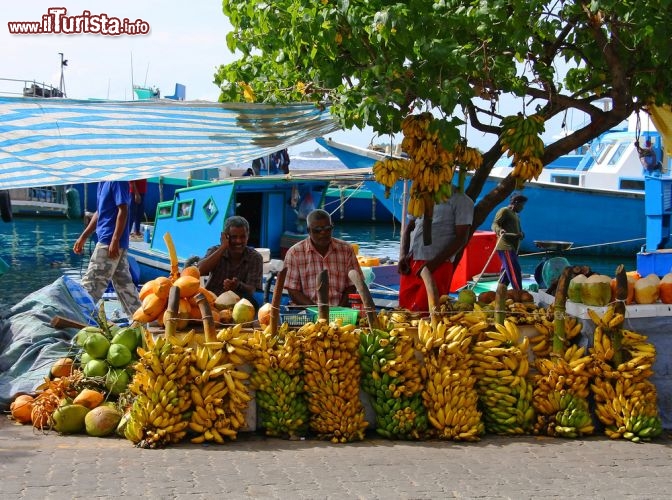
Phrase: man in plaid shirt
[306,259]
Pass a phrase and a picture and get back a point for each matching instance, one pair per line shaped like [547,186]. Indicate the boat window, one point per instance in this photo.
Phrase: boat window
[622,146]
[571,180]
[603,151]
[631,184]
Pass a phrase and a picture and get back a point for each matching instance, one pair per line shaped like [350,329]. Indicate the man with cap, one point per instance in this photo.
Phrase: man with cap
[509,235]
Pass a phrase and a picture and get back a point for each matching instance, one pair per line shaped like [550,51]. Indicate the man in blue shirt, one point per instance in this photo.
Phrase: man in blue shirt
[109,259]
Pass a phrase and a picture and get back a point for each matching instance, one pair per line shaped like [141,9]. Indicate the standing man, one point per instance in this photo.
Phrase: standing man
[306,259]
[451,225]
[232,265]
[109,260]
[507,227]
[138,189]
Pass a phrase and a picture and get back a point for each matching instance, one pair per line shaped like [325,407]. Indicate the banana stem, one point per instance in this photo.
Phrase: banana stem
[172,253]
[559,309]
[208,323]
[500,304]
[275,301]
[170,316]
[619,307]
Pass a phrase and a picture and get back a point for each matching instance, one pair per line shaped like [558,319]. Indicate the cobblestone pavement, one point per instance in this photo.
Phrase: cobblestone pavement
[38,466]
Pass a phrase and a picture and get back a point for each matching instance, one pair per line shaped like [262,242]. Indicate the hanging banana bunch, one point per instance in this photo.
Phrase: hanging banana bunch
[625,398]
[560,394]
[391,377]
[277,381]
[501,367]
[159,413]
[332,378]
[450,396]
[521,139]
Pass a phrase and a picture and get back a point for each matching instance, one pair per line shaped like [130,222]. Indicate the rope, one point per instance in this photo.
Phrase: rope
[587,246]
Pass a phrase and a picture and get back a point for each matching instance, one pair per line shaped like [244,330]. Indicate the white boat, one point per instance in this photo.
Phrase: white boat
[593,198]
[43,201]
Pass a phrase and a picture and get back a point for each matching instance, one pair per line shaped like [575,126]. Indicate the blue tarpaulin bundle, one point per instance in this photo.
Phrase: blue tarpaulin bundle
[29,344]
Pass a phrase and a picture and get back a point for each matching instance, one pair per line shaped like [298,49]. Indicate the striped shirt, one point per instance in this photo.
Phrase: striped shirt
[304,264]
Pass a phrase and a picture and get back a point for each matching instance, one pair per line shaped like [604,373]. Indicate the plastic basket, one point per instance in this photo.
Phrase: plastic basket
[347,315]
[295,318]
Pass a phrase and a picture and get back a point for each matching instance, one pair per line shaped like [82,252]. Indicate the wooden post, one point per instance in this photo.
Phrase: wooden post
[323,295]
[367,300]
[277,298]
[500,304]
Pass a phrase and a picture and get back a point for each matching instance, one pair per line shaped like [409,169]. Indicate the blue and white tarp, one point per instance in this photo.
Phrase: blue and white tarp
[66,141]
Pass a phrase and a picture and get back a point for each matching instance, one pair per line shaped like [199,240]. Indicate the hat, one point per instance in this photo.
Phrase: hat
[518,198]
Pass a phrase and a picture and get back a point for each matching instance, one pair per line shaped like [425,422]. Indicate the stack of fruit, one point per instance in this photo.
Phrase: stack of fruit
[391,376]
[501,365]
[626,400]
[109,353]
[450,396]
[278,384]
[332,378]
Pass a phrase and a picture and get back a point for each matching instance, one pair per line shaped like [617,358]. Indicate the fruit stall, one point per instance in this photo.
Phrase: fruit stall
[468,369]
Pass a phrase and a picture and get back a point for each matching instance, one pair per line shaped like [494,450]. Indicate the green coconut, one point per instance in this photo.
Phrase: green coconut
[97,345]
[596,290]
[101,421]
[127,337]
[574,288]
[69,418]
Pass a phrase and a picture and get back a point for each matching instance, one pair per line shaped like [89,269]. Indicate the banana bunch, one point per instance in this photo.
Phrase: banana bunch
[278,383]
[625,398]
[219,396]
[501,365]
[542,342]
[450,396]
[522,313]
[468,157]
[390,170]
[398,319]
[573,419]
[162,401]
[610,320]
[332,377]
[391,377]
[236,345]
[569,374]
[520,139]
[627,408]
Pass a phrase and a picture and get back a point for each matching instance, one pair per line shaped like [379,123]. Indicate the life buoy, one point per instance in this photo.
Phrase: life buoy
[5,206]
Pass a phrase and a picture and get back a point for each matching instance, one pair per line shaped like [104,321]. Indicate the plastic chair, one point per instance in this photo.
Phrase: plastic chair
[180,93]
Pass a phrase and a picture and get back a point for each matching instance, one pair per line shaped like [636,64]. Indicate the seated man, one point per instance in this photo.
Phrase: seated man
[306,259]
[233,265]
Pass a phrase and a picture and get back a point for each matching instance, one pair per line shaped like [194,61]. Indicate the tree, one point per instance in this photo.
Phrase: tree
[376,61]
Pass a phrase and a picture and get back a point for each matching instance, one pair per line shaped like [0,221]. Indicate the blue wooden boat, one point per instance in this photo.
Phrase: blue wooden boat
[593,198]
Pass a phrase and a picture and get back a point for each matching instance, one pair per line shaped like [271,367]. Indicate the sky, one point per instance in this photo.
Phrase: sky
[186,44]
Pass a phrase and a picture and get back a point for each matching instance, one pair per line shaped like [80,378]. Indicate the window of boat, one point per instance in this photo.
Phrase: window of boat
[631,184]
[571,180]
[622,146]
[603,151]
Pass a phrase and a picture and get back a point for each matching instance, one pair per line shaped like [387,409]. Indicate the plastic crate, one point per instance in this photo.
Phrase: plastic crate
[347,315]
[295,318]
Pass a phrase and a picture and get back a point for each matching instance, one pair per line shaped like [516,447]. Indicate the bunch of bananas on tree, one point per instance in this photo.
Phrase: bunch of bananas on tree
[391,377]
[450,395]
[520,139]
[278,383]
[331,380]
[542,342]
[501,367]
[159,413]
[625,398]
[561,379]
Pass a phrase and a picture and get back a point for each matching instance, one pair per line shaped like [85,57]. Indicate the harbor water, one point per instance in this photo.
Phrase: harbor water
[39,250]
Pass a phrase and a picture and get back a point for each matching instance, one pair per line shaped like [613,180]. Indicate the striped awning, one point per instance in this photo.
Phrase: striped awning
[65,141]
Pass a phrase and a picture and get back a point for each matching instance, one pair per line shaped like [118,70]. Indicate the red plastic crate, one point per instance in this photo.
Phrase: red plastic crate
[476,254]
